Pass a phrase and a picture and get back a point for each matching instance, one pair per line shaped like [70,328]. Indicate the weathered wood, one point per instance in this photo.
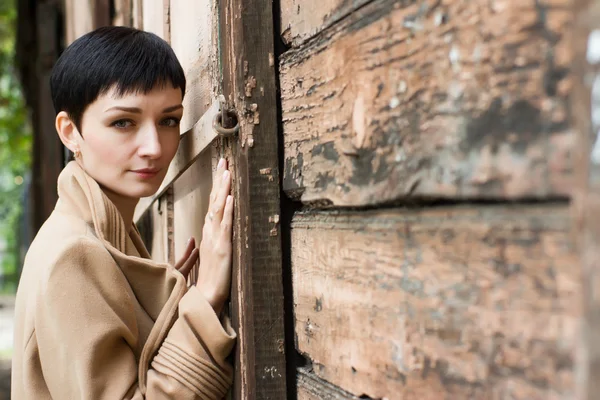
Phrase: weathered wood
[448,303]
[191,195]
[586,197]
[191,144]
[154,229]
[311,387]
[456,99]
[193,37]
[246,48]
[302,19]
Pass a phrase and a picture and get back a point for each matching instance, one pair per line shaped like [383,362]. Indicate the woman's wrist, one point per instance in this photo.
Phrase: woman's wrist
[215,301]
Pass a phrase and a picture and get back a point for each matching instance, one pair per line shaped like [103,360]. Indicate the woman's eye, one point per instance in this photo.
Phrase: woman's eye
[171,122]
[122,123]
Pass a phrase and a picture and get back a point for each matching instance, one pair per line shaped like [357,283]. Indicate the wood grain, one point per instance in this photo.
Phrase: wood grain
[247,48]
[191,193]
[448,99]
[154,228]
[193,27]
[310,387]
[447,303]
[586,196]
[302,19]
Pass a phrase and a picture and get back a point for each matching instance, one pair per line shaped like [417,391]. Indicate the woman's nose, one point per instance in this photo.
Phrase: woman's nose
[149,143]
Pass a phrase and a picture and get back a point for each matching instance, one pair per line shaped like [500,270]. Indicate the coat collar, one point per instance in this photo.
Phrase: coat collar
[79,193]
[157,287]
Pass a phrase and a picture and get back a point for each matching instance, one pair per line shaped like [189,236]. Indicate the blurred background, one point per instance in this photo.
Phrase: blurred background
[15,175]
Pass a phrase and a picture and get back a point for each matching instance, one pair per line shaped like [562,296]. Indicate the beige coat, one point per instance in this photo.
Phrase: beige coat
[96,319]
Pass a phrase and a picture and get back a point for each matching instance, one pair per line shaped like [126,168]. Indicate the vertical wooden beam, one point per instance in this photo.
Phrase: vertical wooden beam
[48,150]
[586,199]
[246,44]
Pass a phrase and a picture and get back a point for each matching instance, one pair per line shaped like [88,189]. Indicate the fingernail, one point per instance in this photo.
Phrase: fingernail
[189,240]
[221,163]
[225,175]
[229,199]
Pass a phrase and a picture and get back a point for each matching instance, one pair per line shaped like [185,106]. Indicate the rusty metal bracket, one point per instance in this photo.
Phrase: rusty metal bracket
[222,118]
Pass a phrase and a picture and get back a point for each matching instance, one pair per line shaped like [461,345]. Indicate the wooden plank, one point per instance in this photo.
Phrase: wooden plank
[465,302]
[302,19]
[193,37]
[586,197]
[462,100]
[191,197]
[311,387]
[246,49]
[191,144]
[154,228]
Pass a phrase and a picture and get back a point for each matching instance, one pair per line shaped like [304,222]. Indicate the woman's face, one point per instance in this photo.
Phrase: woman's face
[129,141]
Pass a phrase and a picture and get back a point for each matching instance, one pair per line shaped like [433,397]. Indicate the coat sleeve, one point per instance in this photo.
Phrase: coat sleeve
[86,333]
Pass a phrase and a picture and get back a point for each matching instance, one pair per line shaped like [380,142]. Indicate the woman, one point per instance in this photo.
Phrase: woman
[96,319]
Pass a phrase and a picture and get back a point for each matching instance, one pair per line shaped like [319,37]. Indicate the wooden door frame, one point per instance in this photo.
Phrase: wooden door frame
[249,85]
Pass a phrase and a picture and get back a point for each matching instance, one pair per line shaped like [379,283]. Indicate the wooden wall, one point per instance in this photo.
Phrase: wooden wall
[429,151]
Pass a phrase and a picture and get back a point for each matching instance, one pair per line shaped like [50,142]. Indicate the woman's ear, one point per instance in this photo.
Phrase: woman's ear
[67,131]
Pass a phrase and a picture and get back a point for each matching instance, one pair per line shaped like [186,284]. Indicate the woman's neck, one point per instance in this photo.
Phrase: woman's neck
[125,205]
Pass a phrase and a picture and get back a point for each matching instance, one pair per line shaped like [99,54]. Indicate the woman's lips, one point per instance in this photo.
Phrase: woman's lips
[146,173]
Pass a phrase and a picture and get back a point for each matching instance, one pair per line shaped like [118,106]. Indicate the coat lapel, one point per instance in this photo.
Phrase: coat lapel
[157,286]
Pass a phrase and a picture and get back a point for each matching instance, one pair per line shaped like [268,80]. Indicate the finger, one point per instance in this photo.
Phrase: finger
[227,222]
[219,205]
[221,167]
[191,244]
[189,263]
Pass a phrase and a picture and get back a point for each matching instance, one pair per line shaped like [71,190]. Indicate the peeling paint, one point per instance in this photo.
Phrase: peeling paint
[250,85]
[358,121]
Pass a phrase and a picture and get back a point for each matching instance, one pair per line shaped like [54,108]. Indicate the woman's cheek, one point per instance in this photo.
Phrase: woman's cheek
[172,145]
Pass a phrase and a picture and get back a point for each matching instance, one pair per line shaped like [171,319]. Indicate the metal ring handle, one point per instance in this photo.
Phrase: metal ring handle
[222,131]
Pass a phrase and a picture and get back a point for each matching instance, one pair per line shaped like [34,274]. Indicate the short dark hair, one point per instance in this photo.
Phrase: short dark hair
[128,59]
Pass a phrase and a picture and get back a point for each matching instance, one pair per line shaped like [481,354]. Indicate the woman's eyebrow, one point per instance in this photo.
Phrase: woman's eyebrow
[134,110]
[137,110]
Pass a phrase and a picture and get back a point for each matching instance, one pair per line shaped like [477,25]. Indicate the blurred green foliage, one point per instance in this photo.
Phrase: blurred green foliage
[15,148]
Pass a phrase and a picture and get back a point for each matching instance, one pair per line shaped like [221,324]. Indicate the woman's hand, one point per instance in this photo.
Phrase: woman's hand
[214,273]
[189,258]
